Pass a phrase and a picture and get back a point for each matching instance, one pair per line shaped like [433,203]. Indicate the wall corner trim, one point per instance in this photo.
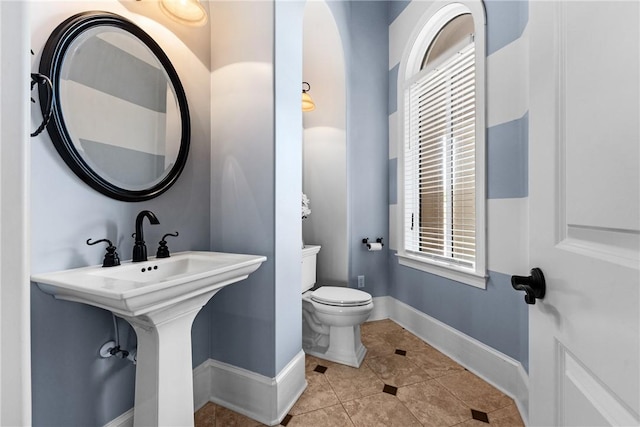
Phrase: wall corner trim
[503,372]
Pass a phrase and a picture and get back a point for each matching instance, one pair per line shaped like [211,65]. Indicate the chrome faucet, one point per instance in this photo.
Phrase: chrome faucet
[139,248]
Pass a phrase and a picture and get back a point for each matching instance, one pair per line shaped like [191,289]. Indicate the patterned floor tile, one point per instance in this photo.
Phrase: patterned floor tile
[475,392]
[404,340]
[228,418]
[433,362]
[430,390]
[433,405]
[310,363]
[397,370]
[378,327]
[377,346]
[333,416]
[205,416]
[508,416]
[318,395]
[379,410]
[351,383]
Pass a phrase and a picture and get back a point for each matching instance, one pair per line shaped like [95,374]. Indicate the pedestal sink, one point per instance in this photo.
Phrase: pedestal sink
[160,298]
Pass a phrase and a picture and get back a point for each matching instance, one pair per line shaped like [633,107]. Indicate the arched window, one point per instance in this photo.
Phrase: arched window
[444,135]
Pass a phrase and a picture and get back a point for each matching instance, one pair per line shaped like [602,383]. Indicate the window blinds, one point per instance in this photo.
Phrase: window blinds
[439,183]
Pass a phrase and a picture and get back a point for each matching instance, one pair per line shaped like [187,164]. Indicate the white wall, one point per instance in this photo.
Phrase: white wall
[325,154]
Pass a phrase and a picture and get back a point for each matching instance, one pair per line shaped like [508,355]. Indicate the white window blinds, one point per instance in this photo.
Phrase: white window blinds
[439,182]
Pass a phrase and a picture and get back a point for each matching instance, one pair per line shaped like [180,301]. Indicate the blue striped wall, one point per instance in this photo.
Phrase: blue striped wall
[508,159]
[496,316]
[506,20]
[395,8]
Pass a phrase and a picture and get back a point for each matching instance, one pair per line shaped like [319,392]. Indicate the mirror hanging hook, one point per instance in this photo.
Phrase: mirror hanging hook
[40,79]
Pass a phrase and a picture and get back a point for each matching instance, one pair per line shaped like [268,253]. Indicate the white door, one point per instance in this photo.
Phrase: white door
[584,145]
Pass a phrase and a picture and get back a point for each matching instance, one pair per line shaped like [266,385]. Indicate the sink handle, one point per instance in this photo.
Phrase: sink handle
[111,258]
[163,249]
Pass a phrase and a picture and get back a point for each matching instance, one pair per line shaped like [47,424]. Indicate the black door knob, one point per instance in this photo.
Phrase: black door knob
[533,285]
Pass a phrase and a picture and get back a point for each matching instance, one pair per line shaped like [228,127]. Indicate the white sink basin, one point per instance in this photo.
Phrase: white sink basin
[160,298]
[132,289]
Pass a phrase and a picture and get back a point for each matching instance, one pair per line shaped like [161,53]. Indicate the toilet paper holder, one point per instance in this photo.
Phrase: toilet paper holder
[366,242]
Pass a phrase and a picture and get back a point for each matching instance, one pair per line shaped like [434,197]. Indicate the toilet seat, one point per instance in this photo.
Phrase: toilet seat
[340,296]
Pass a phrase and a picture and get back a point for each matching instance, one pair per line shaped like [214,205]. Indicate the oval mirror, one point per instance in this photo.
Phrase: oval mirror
[120,118]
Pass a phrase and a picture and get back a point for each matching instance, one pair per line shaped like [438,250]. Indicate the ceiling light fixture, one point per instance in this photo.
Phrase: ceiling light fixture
[187,12]
[307,102]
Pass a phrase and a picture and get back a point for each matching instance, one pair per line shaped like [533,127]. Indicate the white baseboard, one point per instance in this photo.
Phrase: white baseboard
[124,420]
[201,384]
[264,399]
[498,369]
[521,396]
[383,307]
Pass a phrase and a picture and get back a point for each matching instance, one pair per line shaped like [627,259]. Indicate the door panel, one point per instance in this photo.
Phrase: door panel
[586,400]
[599,89]
[584,193]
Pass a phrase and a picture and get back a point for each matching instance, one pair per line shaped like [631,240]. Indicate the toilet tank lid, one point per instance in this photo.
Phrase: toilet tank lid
[338,295]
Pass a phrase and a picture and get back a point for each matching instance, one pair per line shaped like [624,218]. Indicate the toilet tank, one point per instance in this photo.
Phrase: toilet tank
[309,256]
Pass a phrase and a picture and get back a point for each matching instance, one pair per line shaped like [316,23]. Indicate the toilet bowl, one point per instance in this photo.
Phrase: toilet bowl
[331,316]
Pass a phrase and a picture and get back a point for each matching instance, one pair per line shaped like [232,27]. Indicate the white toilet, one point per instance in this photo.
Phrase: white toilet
[331,316]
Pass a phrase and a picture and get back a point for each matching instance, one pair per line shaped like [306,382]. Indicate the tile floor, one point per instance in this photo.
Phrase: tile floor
[402,382]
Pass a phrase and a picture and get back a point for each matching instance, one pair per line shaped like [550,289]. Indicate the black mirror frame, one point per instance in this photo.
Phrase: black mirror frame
[51,64]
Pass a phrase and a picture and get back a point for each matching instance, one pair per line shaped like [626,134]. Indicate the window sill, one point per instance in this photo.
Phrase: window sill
[443,270]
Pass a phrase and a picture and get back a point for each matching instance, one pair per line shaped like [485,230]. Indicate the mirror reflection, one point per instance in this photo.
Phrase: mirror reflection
[120,109]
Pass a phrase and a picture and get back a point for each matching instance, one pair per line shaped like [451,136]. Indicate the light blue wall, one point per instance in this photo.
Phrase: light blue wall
[256,180]
[243,180]
[496,316]
[72,385]
[508,159]
[395,8]
[363,27]
[506,20]
[367,144]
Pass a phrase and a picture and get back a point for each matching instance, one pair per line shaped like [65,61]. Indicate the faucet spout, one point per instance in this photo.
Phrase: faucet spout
[139,248]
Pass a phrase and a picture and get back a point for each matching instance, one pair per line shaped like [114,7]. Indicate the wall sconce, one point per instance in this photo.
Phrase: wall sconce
[307,102]
[187,12]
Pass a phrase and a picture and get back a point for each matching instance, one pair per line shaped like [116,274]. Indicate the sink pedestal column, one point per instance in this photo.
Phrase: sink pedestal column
[164,372]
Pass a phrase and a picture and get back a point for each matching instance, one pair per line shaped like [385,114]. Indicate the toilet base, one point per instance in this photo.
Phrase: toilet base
[344,347]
